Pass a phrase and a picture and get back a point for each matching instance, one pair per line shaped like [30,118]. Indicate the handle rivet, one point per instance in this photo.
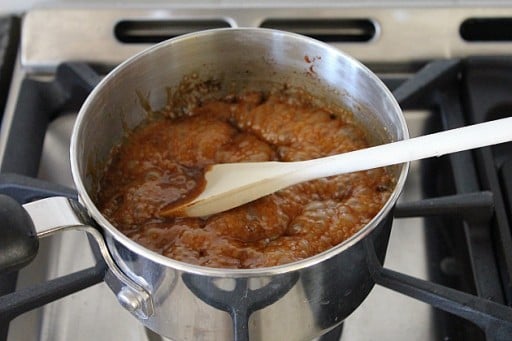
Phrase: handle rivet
[129,300]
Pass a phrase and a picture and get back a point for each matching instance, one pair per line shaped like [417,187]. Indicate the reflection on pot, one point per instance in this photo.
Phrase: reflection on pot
[240,297]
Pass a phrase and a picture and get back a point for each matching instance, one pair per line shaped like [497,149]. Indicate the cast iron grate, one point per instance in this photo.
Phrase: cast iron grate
[9,39]
[474,208]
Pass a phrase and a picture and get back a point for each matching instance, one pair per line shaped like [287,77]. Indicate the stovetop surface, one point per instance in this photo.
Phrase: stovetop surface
[94,313]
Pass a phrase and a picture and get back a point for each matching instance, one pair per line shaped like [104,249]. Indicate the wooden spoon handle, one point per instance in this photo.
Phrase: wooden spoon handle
[437,144]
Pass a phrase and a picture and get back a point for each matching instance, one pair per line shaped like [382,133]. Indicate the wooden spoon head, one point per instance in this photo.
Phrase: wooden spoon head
[233,184]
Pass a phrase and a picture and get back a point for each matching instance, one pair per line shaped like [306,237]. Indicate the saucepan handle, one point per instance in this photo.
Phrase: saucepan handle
[18,241]
[22,226]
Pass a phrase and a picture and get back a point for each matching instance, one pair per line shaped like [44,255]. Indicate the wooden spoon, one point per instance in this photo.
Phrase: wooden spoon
[233,184]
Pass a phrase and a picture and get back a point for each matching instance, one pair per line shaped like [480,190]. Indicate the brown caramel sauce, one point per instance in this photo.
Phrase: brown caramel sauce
[161,163]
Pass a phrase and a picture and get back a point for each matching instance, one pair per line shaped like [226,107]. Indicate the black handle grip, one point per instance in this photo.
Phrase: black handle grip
[18,239]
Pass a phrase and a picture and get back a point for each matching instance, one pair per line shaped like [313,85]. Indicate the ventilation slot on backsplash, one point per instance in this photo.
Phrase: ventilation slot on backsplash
[486,29]
[154,31]
[327,30]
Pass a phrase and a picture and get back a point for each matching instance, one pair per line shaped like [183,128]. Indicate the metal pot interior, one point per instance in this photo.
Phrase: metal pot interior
[236,59]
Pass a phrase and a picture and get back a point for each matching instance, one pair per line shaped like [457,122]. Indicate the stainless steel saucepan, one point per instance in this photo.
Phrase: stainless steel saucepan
[296,301]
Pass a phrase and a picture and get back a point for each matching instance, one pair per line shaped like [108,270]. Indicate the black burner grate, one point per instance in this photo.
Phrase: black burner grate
[468,210]
[9,37]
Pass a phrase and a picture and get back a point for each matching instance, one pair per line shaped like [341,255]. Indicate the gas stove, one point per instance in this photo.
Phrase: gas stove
[447,67]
